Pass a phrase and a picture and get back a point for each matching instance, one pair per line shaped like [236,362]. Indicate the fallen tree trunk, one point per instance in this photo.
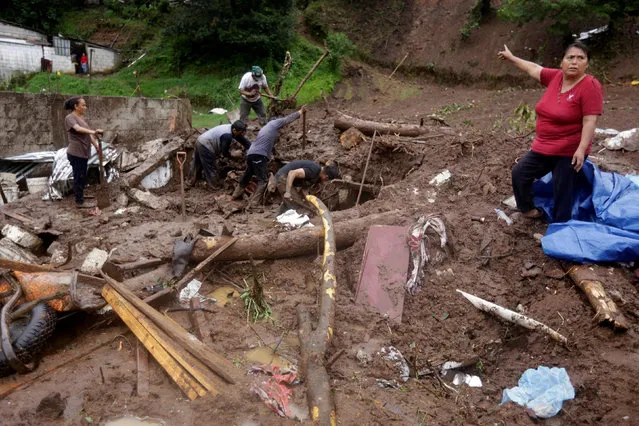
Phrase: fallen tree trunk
[345,122]
[606,310]
[313,343]
[300,242]
[134,177]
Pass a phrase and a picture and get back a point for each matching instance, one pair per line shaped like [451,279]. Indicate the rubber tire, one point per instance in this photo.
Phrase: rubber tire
[29,336]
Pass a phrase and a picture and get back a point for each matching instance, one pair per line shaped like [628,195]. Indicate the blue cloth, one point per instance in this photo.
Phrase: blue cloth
[605,218]
[542,390]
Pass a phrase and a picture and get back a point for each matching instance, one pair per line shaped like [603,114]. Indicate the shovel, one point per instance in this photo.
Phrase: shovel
[103,196]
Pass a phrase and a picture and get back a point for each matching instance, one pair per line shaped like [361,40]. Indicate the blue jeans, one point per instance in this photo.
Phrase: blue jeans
[79,166]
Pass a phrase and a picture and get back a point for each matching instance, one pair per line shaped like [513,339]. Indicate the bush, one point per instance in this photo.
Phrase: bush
[339,47]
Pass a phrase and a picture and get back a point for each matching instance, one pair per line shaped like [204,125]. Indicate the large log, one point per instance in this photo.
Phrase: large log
[313,343]
[300,242]
[606,311]
[135,176]
[345,122]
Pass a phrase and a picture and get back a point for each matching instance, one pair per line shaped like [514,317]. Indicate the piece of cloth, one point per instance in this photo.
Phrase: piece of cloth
[256,165]
[560,115]
[542,390]
[534,166]
[267,136]
[204,164]
[218,140]
[79,166]
[258,107]
[311,171]
[250,83]
[79,143]
[84,59]
[605,218]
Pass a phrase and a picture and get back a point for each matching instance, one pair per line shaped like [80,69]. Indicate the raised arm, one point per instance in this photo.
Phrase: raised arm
[530,68]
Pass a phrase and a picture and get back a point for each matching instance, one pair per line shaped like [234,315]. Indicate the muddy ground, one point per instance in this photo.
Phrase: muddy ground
[437,325]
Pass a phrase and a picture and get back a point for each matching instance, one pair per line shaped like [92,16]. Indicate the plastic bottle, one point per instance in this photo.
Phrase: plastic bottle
[504,217]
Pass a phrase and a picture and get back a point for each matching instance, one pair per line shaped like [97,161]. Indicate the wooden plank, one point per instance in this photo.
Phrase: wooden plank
[140,264]
[191,388]
[191,364]
[201,325]
[142,360]
[220,365]
[17,216]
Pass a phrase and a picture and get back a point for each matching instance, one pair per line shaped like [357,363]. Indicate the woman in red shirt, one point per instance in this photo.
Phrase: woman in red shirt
[566,120]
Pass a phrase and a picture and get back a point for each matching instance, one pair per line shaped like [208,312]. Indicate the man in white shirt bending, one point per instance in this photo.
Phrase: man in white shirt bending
[250,85]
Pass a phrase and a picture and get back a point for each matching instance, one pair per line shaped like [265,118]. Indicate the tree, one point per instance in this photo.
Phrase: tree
[42,15]
[214,28]
[563,13]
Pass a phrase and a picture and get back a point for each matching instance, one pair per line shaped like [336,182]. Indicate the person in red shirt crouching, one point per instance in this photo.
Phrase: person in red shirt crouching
[566,120]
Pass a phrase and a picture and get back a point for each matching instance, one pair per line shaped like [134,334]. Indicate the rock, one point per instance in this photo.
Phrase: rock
[11,251]
[59,253]
[51,406]
[351,138]
[93,262]
[628,140]
[149,200]
[21,237]
[530,273]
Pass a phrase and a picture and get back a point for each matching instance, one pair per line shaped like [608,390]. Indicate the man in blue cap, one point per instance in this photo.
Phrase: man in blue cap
[250,85]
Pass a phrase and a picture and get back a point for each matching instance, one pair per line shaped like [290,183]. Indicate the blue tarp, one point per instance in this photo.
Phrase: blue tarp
[605,218]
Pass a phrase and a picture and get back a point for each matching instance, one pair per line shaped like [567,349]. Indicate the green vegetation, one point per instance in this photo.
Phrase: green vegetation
[480,9]
[41,15]
[563,13]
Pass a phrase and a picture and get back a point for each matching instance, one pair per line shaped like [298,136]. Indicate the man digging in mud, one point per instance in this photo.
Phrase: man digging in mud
[302,173]
[257,157]
[210,145]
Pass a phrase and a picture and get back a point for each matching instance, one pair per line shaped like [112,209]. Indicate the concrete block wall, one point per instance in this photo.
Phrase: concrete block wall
[18,32]
[103,60]
[17,56]
[33,122]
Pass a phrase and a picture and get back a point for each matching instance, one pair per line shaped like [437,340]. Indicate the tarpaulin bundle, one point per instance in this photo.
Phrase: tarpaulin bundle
[605,218]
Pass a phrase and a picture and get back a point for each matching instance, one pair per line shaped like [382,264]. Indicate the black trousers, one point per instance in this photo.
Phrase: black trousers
[79,166]
[204,163]
[564,177]
[255,165]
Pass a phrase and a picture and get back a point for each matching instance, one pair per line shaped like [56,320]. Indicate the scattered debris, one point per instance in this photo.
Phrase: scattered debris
[276,393]
[148,199]
[351,138]
[512,316]
[393,355]
[159,177]
[471,381]
[606,132]
[21,237]
[587,34]
[382,277]
[503,216]
[345,122]
[291,219]
[182,248]
[606,310]
[390,384]
[420,253]
[93,262]
[218,111]
[628,140]
[510,202]
[190,291]
[11,251]
[441,178]
[542,390]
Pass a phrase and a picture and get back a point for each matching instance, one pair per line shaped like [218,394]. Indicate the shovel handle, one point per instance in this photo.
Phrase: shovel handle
[181,158]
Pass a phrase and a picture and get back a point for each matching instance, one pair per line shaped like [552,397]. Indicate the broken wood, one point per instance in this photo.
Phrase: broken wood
[512,316]
[142,367]
[134,177]
[286,66]
[368,159]
[191,388]
[17,216]
[141,264]
[397,67]
[313,343]
[309,74]
[606,311]
[345,122]
[299,242]
[189,276]
[14,265]
[200,324]
[193,272]
[217,363]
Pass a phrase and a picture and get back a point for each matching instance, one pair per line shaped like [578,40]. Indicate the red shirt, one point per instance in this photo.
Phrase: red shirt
[560,115]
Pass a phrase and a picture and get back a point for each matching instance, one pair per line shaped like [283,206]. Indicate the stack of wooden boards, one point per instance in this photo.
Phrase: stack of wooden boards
[196,368]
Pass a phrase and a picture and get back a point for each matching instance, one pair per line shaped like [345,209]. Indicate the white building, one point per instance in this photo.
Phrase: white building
[23,51]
